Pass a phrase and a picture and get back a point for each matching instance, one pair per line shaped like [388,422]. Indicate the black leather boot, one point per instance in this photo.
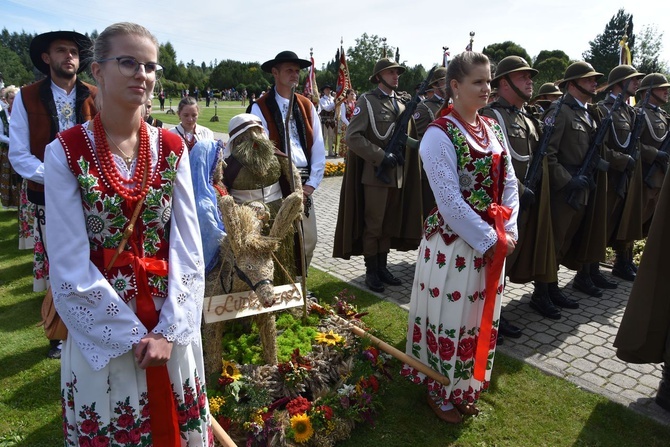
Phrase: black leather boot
[663,395]
[584,284]
[371,275]
[508,329]
[383,272]
[622,268]
[541,302]
[631,263]
[556,296]
[598,279]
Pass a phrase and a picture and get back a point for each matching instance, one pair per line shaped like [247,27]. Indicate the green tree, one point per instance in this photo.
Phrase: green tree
[361,59]
[13,71]
[603,52]
[650,45]
[167,57]
[551,66]
[498,51]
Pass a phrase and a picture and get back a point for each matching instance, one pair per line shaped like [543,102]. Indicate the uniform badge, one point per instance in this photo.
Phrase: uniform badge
[357,110]
[416,115]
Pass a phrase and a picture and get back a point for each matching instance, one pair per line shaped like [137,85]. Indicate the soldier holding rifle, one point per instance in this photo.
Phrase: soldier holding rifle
[621,153]
[380,200]
[654,137]
[577,194]
[534,258]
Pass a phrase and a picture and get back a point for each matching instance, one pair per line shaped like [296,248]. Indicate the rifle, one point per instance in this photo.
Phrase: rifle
[665,147]
[399,138]
[535,169]
[592,161]
[631,149]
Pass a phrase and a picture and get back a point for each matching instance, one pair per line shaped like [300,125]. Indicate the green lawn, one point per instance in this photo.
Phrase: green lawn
[524,406]
[225,110]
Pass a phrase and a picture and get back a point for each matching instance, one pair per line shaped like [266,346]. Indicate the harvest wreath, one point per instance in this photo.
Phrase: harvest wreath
[318,391]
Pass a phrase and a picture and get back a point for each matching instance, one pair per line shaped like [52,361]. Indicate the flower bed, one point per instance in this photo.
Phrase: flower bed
[311,399]
[334,169]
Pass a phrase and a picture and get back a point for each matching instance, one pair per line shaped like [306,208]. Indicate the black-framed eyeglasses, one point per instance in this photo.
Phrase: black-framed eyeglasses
[129,66]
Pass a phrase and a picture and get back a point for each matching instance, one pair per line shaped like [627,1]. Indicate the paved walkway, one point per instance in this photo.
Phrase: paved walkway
[578,347]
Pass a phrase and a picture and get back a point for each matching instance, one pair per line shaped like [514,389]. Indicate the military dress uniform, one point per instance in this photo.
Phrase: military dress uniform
[579,234]
[425,113]
[374,215]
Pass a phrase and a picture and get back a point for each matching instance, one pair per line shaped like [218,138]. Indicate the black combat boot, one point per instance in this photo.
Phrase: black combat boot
[632,264]
[371,275]
[622,268]
[663,395]
[541,302]
[584,284]
[556,296]
[383,273]
[598,279]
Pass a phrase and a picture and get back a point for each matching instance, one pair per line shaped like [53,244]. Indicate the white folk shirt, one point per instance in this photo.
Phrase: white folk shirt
[101,324]
[440,163]
[23,161]
[327,103]
[318,159]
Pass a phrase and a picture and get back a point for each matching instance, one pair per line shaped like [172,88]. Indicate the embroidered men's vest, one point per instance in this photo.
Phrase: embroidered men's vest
[107,214]
[43,120]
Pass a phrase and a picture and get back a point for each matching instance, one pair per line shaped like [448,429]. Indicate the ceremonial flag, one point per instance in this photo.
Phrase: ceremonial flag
[445,56]
[311,90]
[343,79]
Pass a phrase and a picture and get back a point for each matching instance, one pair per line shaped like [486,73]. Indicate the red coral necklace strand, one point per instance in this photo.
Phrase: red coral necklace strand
[478,132]
[111,171]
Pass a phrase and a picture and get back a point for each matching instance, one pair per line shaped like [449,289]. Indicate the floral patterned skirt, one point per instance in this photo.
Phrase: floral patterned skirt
[444,317]
[110,407]
[26,219]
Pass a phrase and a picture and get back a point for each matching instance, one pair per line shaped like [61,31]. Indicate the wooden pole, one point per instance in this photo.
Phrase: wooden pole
[220,434]
[398,354]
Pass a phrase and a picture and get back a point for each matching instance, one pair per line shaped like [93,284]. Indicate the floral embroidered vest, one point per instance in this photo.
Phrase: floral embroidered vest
[107,214]
[481,177]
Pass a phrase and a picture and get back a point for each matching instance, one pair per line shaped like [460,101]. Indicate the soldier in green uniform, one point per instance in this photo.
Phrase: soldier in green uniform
[376,215]
[426,112]
[654,133]
[622,80]
[579,233]
[547,93]
[534,258]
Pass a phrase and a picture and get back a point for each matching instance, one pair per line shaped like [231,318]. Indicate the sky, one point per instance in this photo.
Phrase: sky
[256,30]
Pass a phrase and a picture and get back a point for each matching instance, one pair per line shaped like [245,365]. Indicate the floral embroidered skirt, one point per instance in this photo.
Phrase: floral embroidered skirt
[110,406]
[444,316]
[26,219]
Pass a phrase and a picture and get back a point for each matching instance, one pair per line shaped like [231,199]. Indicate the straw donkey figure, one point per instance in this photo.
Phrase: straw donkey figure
[246,264]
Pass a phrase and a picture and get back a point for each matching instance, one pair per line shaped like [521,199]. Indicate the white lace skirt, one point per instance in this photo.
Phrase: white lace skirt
[444,316]
[111,404]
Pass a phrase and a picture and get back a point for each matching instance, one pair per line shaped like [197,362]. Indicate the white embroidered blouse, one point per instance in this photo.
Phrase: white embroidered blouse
[440,163]
[98,320]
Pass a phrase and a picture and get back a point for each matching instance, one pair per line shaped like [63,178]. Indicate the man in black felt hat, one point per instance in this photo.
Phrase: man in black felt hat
[305,137]
[40,111]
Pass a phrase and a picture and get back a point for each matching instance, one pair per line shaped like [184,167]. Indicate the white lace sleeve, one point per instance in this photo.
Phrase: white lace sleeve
[101,324]
[439,161]
[182,310]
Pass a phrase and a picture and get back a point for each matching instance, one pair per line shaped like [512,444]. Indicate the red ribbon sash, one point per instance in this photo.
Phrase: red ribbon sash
[493,270]
[162,405]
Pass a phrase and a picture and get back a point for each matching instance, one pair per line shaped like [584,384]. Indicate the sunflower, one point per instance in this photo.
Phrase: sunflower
[329,338]
[231,371]
[302,427]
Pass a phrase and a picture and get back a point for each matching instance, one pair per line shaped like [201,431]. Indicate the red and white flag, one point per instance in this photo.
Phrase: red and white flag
[311,89]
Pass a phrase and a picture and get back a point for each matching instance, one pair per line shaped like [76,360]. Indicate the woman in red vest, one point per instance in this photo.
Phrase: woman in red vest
[127,269]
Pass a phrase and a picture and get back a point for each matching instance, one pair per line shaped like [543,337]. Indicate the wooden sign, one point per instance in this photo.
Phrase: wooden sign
[243,304]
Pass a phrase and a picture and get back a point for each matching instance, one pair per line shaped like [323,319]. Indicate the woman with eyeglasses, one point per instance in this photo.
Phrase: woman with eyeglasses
[127,271]
[187,129]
